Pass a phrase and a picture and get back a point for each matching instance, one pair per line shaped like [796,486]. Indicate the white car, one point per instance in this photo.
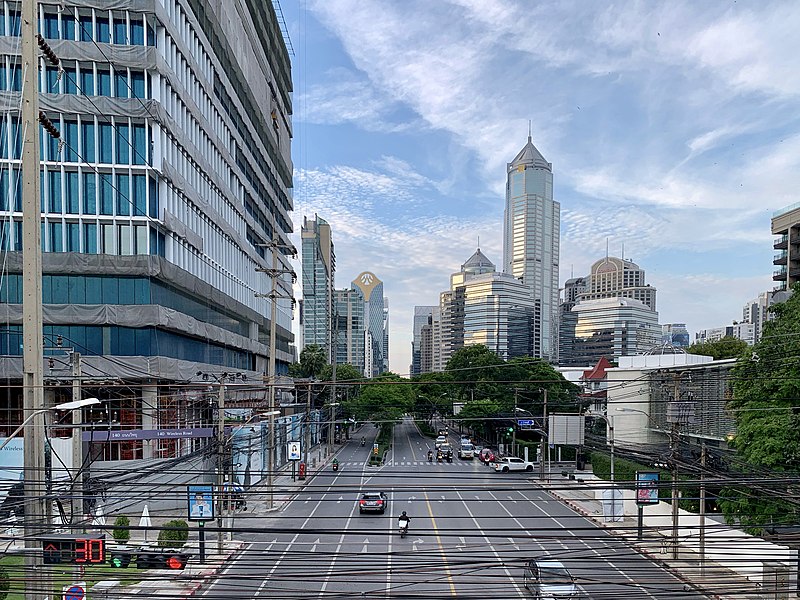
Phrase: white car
[466,450]
[440,440]
[549,579]
[512,463]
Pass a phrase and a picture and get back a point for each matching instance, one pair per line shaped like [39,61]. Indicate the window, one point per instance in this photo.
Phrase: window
[86,28]
[73,237]
[106,143]
[51,26]
[124,236]
[54,191]
[5,192]
[137,31]
[103,82]
[106,194]
[103,31]
[71,192]
[121,83]
[123,145]
[153,200]
[51,80]
[139,195]
[87,82]
[123,195]
[108,247]
[89,194]
[90,239]
[70,80]
[137,84]
[56,240]
[67,26]
[139,145]
[16,78]
[120,31]
[151,35]
[70,135]
[87,142]
[140,239]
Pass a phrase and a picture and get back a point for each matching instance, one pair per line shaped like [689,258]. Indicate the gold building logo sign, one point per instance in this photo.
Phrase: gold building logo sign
[367,282]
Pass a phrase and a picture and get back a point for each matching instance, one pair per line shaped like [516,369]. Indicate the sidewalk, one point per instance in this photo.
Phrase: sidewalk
[711,579]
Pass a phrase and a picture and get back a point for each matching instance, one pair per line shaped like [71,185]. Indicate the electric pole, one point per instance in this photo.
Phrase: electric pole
[220,459]
[673,442]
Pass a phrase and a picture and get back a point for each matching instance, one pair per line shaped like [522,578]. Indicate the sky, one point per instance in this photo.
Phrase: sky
[673,129]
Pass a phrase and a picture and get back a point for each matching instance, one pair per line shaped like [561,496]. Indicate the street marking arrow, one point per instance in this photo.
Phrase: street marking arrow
[512,499]
[478,498]
[442,500]
[366,544]
[415,542]
[314,546]
[339,500]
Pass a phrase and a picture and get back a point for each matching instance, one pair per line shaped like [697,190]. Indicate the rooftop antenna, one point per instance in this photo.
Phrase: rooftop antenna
[606,249]
[529,130]
[623,252]
[479,241]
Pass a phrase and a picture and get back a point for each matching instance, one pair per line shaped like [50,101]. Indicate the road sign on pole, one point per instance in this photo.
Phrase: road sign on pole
[525,422]
[76,591]
[294,451]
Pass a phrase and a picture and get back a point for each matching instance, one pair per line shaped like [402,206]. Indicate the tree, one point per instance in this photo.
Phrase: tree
[386,398]
[765,392]
[313,359]
[727,347]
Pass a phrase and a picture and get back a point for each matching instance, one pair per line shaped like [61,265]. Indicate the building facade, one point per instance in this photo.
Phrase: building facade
[423,316]
[318,277]
[611,328]
[158,208]
[531,241]
[349,328]
[786,225]
[741,331]
[675,334]
[376,318]
[612,277]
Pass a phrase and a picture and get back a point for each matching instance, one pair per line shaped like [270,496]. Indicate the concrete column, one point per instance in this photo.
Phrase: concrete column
[149,407]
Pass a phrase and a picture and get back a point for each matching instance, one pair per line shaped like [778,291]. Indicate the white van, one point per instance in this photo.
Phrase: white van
[466,450]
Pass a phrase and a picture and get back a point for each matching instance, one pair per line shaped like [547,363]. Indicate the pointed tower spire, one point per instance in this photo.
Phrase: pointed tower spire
[529,131]
[606,249]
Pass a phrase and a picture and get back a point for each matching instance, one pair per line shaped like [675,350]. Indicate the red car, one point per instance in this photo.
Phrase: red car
[486,455]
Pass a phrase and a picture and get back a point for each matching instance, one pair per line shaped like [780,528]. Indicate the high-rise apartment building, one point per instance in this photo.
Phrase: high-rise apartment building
[567,320]
[349,328]
[756,312]
[376,318]
[741,331]
[422,317]
[531,241]
[318,275]
[612,277]
[786,225]
[159,204]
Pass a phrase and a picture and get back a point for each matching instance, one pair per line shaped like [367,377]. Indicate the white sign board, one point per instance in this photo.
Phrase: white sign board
[293,450]
[566,429]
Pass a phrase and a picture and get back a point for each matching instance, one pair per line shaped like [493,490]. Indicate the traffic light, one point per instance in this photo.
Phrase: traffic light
[175,561]
[510,431]
[120,559]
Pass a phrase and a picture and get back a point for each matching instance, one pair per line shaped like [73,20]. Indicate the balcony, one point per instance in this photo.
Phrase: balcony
[780,258]
[782,243]
[779,275]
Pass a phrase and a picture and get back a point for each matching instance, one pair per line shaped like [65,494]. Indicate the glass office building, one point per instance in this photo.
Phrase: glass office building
[376,315]
[172,177]
[319,270]
[531,241]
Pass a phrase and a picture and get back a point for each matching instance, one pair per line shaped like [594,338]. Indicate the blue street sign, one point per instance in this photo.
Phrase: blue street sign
[74,592]
[525,422]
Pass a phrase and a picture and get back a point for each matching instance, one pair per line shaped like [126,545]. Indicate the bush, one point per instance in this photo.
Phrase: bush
[121,531]
[5,584]
[174,534]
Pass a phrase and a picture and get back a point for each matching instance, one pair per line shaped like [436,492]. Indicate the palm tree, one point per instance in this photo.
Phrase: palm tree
[313,360]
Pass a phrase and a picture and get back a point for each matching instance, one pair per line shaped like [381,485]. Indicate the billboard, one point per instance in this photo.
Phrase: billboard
[566,429]
[647,488]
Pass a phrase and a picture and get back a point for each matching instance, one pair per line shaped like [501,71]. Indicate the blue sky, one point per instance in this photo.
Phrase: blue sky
[673,128]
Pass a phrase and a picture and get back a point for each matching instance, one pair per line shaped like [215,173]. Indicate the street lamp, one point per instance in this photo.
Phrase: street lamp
[610,436]
[70,406]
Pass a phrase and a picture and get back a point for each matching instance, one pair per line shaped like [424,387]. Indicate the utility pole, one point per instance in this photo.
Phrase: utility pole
[273,333]
[77,443]
[545,437]
[514,431]
[673,442]
[335,344]
[307,441]
[37,581]
[703,456]
[220,459]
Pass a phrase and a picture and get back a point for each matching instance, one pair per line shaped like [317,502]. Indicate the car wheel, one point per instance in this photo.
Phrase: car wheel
[361,512]
[529,468]
[505,469]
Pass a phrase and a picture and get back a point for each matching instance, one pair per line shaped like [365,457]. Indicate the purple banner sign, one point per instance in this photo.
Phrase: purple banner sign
[121,435]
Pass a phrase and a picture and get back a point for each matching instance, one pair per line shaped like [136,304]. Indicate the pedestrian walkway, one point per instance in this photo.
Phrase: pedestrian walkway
[706,577]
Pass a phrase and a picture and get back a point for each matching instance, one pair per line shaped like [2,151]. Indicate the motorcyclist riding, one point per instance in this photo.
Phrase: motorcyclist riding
[430,455]
[335,464]
[403,522]
[363,441]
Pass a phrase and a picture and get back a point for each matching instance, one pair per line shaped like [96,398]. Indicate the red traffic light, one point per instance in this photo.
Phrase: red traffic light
[176,562]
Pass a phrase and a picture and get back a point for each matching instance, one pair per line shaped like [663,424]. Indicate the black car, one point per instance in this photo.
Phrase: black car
[373,502]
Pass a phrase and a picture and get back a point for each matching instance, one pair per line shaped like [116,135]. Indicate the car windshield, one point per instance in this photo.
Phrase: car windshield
[552,575]
[466,446]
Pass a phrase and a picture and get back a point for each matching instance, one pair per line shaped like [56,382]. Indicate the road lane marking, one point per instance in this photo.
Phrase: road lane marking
[441,548]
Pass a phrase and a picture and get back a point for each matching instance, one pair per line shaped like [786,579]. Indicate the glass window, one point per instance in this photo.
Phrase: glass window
[5,236]
[76,287]
[121,83]
[103,31]
[137,31]
[120,31]
[153,198]
[151,35]
[89,194]
[94,290]
[56,239]
[157,242]
[90,238]
[70,135]
[110,285]
[123,145]
[125,245]
[67,26]
[86,28]
[71,192]
[73,237]
[140,239]
[137,84]
[3,78]
[16,78]
[18,235]
[50,144]
[70,80]
[106,145]
[87,82]
[51,80]
[51,26]
[5,191]
[107,245]
[103,82]
[139,194]
[87,141]
[123,195]
[3,136]
[139,145]
[106,195]
[54,191]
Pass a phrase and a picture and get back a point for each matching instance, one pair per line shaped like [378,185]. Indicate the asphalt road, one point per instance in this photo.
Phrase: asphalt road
[471,532]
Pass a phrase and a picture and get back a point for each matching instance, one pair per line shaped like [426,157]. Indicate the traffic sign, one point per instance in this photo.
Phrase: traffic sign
[76,591]
[525,422]
[294,451]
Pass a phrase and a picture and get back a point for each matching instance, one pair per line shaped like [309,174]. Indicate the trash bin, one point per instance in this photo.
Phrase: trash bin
[580,462]
[301,471]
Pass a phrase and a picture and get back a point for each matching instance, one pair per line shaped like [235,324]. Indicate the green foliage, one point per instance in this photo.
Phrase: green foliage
[121,531]
[174,534]
[5,583]
[727,347]
[765,392]
[385,399]
[425,428]
[313,359]
[625,472]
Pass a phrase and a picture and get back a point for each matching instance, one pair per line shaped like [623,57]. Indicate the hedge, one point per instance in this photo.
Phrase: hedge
[174,534]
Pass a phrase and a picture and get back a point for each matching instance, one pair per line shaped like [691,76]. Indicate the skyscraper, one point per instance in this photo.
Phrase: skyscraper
[319,270]
[612,277]
[422,316]
[375,320]
[786,225]
[349,329]
[531,241]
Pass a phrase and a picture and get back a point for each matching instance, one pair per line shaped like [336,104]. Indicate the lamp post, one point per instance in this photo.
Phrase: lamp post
[70,406]
[610,436]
